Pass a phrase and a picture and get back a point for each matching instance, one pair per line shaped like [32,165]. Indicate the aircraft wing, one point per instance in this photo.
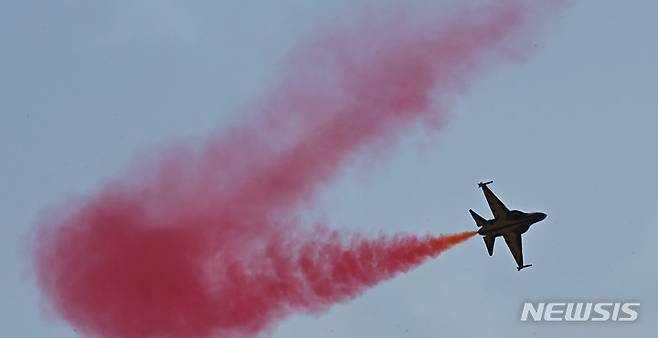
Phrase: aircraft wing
[498,209]
[513,240]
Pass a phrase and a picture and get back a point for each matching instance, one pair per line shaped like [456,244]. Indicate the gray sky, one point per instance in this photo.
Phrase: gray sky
[87,87]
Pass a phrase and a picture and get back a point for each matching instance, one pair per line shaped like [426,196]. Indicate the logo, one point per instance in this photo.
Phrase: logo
[580,312]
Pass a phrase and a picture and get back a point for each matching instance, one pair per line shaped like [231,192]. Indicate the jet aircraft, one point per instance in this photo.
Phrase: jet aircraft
[510,224]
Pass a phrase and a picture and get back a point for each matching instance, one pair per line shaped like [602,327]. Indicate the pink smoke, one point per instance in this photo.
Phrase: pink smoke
[207,241]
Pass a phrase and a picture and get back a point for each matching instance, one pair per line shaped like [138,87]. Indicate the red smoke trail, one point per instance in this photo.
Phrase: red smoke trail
[207,241]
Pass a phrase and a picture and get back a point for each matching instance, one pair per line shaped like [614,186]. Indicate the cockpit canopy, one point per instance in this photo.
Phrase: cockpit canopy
[516,214]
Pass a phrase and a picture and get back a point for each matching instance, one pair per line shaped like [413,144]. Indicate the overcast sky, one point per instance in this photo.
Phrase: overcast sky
[86,87]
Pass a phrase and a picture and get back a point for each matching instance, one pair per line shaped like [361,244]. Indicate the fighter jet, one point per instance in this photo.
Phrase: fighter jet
[507,223]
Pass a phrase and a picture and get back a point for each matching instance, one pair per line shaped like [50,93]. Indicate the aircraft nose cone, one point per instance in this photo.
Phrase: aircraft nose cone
[541,216]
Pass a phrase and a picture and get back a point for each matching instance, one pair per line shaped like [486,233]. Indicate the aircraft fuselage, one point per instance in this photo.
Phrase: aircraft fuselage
[518,221]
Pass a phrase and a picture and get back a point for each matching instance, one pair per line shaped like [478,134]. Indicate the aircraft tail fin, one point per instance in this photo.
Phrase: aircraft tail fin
[479,220]
[489,241]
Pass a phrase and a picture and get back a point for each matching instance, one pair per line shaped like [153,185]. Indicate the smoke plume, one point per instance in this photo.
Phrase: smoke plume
[207,241]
